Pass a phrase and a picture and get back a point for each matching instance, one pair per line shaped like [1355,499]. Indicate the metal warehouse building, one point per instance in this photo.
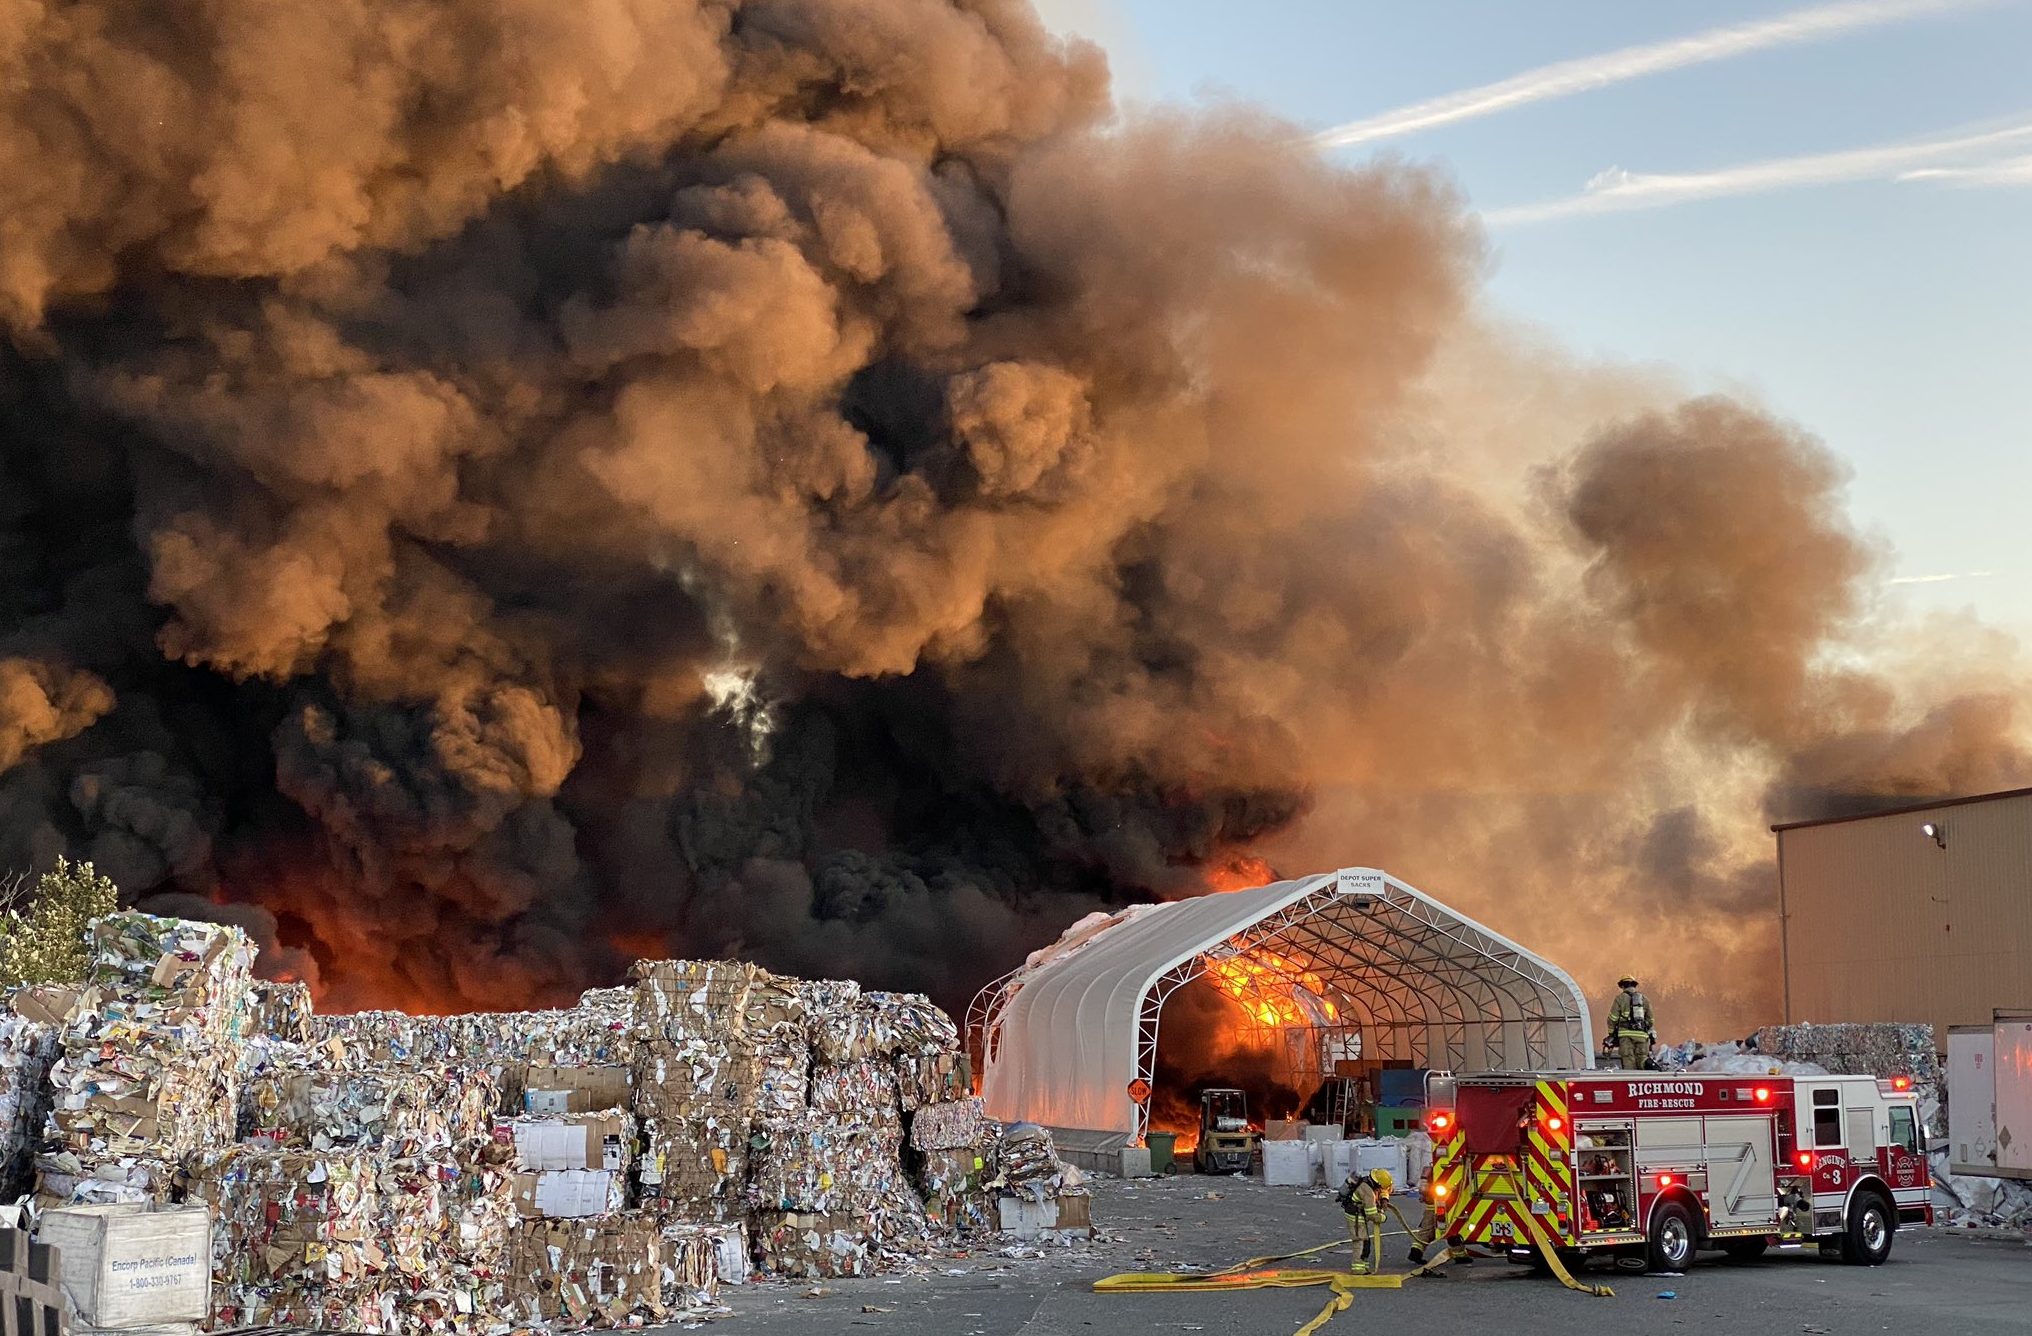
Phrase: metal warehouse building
[1923,913]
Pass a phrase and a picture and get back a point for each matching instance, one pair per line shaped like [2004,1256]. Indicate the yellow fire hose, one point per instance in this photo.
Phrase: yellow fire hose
[1257,1273]
[1551,1256]
[1342,1283]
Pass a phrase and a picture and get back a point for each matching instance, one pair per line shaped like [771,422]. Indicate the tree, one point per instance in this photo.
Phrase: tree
[45,942]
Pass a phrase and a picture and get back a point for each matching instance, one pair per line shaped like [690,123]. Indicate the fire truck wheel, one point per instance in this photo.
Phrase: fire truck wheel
[1868,1241]
[1672,1238]
[1745,1250]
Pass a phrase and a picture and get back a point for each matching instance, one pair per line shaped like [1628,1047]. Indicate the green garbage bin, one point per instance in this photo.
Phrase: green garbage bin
[1395,1121]
[1162,1145]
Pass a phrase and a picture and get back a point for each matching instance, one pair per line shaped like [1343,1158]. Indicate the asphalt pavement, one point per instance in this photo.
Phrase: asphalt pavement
[1937,1283]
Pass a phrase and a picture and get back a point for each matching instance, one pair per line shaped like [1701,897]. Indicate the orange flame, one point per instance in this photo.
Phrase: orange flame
[1262,986]
[1239,873]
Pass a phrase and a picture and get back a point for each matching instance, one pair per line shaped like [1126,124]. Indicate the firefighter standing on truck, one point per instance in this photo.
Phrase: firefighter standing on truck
[1631,1025]
[1361,1199]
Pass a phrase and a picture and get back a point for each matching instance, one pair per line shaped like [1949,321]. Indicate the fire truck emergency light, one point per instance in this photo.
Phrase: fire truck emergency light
[1901,1083]
[1440,1122]
[1439,1189]
[1554,1124]
[1805,1159]
[1763,1094]
[1665,1180]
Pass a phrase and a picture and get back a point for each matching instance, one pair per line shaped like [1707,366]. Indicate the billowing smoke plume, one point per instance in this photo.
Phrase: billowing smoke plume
[492,487]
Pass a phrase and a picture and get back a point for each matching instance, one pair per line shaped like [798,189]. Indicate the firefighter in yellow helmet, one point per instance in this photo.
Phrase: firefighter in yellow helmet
[1361,1198]
[1631,1025]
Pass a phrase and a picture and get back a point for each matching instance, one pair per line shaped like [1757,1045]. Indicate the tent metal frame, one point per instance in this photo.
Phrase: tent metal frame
[1427,984]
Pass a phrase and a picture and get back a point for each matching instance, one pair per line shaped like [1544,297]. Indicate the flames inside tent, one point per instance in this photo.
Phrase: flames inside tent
[1334,967]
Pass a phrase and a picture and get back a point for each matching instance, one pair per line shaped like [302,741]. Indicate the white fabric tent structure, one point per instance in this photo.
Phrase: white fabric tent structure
[1069,1039]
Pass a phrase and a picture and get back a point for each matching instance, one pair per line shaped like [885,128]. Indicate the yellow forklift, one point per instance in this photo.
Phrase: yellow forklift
[1227,1140]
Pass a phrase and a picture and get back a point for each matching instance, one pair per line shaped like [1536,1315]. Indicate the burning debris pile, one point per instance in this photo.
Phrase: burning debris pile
[602,1165]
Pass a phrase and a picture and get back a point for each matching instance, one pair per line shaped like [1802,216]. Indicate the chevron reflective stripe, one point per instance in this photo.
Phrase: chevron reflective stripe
[1498,1181]
[1487,1213]
[1548,1166]
[1449,1179]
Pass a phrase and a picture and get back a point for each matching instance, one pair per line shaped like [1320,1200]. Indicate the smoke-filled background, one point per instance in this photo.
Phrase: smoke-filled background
[494,487]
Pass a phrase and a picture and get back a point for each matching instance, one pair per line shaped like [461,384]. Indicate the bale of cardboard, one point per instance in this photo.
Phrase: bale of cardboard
[953,1157]
[281,1010]
[601,1272]
[400,1109]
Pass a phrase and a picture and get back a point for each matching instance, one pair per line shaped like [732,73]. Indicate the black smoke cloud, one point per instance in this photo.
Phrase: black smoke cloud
[490,489]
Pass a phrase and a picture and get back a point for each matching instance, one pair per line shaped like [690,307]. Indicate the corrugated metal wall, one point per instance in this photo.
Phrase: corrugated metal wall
[1882,925]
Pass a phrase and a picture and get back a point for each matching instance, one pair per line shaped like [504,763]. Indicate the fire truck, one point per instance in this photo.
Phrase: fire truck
[1655,1166]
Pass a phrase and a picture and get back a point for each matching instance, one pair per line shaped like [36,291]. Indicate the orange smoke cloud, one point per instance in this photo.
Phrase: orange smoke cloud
[491,485]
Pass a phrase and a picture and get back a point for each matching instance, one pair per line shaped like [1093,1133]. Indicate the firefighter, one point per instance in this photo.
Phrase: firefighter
[1427,1232]
[1795,1212]
[1361,1200]
[1631,1025]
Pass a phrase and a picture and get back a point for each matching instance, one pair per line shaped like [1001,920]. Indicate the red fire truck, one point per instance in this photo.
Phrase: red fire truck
[1654,1166]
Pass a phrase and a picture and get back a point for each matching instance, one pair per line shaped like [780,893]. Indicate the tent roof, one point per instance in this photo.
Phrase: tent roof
[1062,1038]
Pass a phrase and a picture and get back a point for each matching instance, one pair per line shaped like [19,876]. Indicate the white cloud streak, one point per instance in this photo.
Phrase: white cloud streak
[1568,77]
[1616,190]
[2003,172]
[1939,579]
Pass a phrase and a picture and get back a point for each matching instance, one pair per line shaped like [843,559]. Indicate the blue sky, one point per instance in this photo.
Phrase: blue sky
[1891,318]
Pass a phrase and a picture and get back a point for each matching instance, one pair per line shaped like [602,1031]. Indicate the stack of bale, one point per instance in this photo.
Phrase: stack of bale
[1036,1192]
[606,1164]
[1876,1049]
[715,1041]
[596,1034]
[27,1048]
[575,1250]
[576,1254]
[785,1105]
[359,1194]
[149,1060]
[955,1151]
[538,1207]
[827,1183]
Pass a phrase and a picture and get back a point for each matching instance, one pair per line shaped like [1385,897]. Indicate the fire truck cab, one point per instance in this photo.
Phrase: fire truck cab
[1656,1166]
